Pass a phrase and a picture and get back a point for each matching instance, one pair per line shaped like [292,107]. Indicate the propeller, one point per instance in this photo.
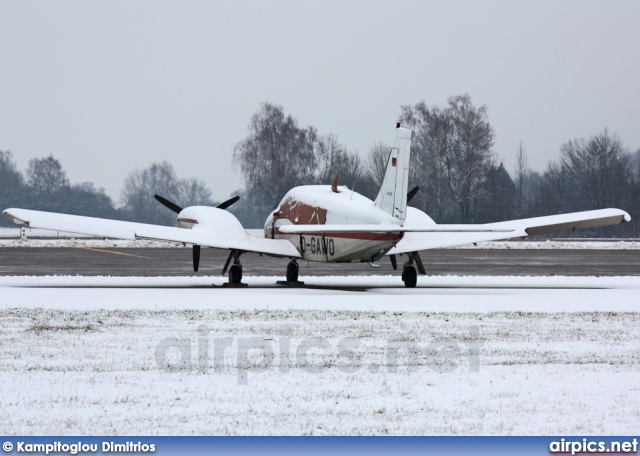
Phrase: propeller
[177,209]
[394,263]
[412,193]
[228,202]
[196,257]
[174,207]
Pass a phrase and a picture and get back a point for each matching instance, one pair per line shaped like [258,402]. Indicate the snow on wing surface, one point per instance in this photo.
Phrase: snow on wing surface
[414,241]
[372,228]
[564,222]
[215,228]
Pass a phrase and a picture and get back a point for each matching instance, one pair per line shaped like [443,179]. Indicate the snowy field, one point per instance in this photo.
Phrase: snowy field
[345,355]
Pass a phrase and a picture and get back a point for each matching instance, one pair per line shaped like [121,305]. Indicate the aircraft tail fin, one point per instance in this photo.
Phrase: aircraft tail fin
[392,197]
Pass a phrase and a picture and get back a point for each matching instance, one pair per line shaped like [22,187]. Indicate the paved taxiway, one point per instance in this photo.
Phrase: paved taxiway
[177,262]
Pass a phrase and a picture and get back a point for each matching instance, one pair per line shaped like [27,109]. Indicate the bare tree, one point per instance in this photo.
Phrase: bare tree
[46,177]
[85,199]
[598,169]
[328,154]
[11,179]
[377,162]
[139,188]
[11,183]
[452,155]
[276,156]
[193,192]
[497,202]
[635,166]
[471,157]
[9,174]
[553,193]
[521,172]
[333,158]
[349,167]
[430,144]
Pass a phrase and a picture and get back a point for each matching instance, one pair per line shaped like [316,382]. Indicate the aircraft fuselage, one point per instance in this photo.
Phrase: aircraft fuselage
[319,205]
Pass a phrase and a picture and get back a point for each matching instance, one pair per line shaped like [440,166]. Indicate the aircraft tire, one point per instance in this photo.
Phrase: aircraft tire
[409,276]
[235,273]
[292,271]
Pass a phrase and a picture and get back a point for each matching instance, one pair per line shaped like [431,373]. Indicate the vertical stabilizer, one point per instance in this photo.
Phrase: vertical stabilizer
[393,193]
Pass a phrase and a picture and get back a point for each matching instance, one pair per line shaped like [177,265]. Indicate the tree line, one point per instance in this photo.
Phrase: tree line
[452,161]
[45,186]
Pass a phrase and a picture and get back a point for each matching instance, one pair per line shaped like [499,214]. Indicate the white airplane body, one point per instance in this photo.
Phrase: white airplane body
[324,223]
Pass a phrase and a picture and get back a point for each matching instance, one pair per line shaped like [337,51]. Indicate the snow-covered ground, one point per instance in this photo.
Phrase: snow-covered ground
[345,355]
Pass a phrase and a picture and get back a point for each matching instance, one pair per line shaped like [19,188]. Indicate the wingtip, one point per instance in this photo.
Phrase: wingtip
[12,218]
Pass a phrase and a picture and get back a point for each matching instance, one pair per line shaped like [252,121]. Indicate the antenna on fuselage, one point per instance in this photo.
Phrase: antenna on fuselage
[334,185]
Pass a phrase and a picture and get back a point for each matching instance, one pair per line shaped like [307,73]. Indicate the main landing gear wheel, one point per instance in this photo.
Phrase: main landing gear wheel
[235,270]
[409,276]
[292,276]
[235,273]
[292,271]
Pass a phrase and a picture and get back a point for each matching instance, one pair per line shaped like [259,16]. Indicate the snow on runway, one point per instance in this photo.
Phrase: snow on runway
[370,293]
[344,355]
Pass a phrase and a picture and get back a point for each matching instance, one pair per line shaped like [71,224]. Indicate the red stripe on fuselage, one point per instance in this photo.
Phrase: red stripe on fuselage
[364,236]
[360,235]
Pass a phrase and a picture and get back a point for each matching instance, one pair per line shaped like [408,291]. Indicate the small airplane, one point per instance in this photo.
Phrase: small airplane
[324,223]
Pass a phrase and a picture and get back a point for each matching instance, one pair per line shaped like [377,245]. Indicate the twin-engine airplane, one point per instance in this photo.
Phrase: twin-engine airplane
[324,223]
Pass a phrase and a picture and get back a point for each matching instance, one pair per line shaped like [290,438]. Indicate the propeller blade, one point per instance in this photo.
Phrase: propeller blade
[412,193]
[174,207]
[196,257]
[394,263]
[228,202]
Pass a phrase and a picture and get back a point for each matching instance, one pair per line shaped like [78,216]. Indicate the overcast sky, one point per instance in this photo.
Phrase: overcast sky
[110,86]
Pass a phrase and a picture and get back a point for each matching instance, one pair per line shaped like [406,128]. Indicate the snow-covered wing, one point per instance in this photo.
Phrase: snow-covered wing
[212,228]
[564,222]
[414,241]
[372,228]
